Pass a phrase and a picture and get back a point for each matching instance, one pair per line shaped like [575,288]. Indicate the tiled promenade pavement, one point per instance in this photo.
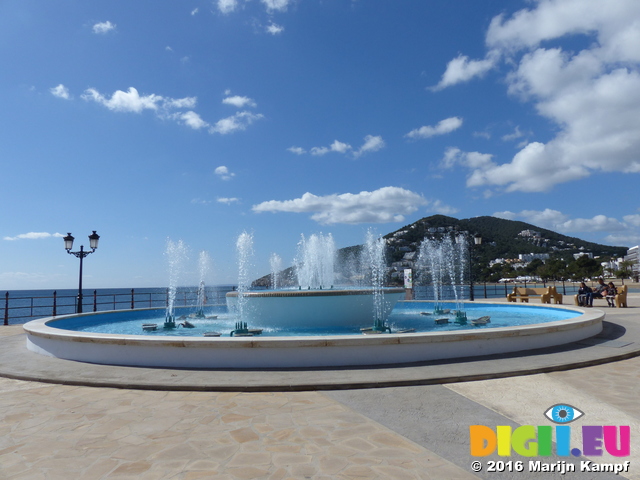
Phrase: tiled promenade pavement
[68,432]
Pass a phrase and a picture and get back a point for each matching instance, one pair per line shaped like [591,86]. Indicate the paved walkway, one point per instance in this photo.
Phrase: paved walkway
[51,431]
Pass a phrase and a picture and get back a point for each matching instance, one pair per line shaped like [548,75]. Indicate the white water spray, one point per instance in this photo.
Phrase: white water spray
[275,263]
[315,261]
[176,254]
[244,248]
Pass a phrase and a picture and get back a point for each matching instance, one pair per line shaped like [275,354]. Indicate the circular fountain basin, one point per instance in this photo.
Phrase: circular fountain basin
[329,308]
[299,351]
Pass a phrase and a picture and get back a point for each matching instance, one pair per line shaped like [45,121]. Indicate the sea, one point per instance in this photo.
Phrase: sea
[21,306]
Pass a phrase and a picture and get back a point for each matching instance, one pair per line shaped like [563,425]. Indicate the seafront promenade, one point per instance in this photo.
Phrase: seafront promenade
[58,431]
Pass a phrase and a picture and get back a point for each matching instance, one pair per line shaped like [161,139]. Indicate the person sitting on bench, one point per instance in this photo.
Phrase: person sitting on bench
[585,296]
[612,291]
[600,291]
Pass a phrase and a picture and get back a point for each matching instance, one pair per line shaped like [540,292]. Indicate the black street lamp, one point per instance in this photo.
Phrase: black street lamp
[68,245]
[477,240]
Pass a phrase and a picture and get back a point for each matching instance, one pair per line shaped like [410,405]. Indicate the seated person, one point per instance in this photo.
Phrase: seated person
[612,291]
[585,296]
[600,291]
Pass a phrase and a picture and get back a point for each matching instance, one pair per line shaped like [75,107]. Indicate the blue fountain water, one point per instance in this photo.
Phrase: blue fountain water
[406,315]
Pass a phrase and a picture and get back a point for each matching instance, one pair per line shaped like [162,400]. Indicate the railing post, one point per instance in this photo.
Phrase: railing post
[132,301]
[6,308]
[55,302]
[95,300]
[485,289]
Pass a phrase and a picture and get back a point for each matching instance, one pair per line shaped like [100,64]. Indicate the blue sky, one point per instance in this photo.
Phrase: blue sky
[196,121]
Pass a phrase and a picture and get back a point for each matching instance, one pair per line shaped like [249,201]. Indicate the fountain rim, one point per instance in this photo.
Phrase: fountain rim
[40,328]
[313,292]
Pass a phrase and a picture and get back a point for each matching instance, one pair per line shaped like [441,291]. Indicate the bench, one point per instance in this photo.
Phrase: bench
[620,299]
[545,294]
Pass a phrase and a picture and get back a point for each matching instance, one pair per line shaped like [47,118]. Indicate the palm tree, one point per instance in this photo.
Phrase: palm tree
[625,270]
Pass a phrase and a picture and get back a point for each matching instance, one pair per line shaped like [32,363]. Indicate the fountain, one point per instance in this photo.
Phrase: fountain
[314,305]
[204,263]
[317,301]
[442,262]
[374,249]
[176,253]
[275,262]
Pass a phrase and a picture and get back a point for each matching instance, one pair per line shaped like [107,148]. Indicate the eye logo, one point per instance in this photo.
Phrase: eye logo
[561,413]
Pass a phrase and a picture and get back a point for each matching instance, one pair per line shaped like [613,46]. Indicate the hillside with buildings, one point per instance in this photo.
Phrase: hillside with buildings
[508,249]
[511,245]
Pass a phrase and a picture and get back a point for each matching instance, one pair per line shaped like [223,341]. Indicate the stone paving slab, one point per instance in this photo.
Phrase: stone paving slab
[66,432]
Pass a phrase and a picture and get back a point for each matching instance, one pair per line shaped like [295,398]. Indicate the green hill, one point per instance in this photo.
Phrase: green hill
[500,238]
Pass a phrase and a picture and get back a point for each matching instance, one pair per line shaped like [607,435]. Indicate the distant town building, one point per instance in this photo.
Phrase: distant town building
[528,257]
[632,256]
[529,233]
[582,254]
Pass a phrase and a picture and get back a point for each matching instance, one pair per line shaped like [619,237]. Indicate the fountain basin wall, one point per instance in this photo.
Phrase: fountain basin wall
[291,352]
[328,308]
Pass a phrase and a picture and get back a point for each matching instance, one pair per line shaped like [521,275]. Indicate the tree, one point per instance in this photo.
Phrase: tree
[553,269]
[584,267]
[625,270]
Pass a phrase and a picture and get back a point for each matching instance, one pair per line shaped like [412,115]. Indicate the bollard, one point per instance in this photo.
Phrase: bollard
[6,308]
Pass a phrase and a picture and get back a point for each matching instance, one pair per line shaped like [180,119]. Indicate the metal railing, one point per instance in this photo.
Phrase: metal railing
[19,309]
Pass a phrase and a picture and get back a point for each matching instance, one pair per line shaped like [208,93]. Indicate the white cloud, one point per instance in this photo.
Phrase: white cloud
[60,91]
[194,11]
[438,207]
[165,108]
[387,204]
[239,102]
[445,126]
[560,222]
[371,144]
[513,136]
[337,147]
[274,29]
[224,173]
[228,201]
[239,121]
[34,236]
[103,27]
[461,69]
[280,5]
[227,6]
[193,120]
[129,101]
[632,220]
[592,95]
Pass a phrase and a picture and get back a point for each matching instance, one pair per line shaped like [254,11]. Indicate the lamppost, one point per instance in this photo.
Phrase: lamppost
[477,240]
[68,245]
